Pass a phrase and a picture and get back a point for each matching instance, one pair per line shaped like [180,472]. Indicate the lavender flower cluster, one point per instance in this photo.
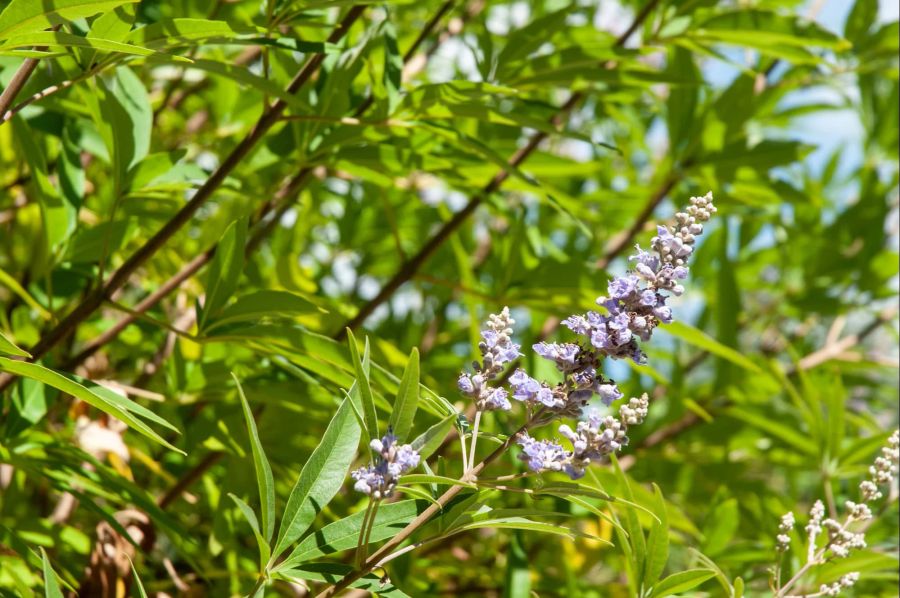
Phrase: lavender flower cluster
[391,461]
[496,349]
[636,305]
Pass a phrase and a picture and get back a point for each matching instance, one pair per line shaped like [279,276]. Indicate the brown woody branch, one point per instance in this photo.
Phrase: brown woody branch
[118,279]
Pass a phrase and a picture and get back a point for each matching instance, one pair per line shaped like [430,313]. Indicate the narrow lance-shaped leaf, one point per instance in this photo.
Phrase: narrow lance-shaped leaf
[681,582]
[225,270]
[51,586]
[407,398]
[631,523]
[321,478]
[250,516]
[264,480]
[121,409]
[657,542]
[10,348]
[24,16]
[344,533]
[429,441]
[138,584]
[366,399]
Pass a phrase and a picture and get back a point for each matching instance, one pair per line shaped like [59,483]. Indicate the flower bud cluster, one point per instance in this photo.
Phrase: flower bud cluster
[496,350]
[835,588]
[841,538]
[391,461]
[591,440]
[883,470]
[783,540]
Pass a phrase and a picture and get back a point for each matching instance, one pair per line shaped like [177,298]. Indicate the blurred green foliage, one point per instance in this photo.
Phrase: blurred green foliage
[776,387]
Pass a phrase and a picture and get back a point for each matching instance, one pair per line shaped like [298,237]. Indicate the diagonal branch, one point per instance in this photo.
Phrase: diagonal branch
[409,268]
[291,188]
[264,220]
[20,78]
[118,279]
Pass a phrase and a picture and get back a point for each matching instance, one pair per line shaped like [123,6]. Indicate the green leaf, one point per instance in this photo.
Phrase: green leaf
[782,431]
[225,270]
[24,16]
[264,481]
[171,32]
[429,441]
[94,399]
[331,573]
[263,304]
[321,478]
[10,348]
[261,542]
[68,40]
[367,400]
[141,592]
[57,215]
[525,524]
[113,25]
[393,66]
[13,285]
[128,120]
[407,398]
[417,478]
[51,585]
[344,533]
[632,525]
[681,582]
[701,340]
[657,542]
[721,525]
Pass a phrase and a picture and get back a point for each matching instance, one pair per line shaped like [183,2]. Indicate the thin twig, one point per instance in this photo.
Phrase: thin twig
[19,79]
[293,187]
[423,518]
[410,267]
[95,299]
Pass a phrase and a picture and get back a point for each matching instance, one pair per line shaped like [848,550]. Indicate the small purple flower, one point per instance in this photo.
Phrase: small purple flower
[577,324]
[391,461]
[609,393]
[497,399]
[465,384]
[563,354]
[542,455]
[524,386]
[622,287]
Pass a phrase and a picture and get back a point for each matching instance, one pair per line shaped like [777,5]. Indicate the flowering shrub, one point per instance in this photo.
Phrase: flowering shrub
[248,249]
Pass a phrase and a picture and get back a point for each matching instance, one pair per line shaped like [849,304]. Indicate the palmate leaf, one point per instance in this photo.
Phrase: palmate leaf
[322,476]
[120,408]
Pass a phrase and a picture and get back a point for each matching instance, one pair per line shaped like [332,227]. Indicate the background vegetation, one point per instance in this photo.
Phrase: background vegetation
[194,188]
